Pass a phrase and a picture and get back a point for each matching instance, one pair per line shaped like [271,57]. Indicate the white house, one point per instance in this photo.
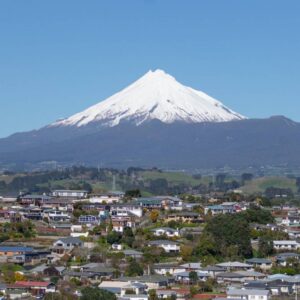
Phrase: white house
[106,198]
[122,210]
[286,245]
[251,294]
[70,193]
[169,232]
[164,269]
[68,243]
[168,246]
[56,215]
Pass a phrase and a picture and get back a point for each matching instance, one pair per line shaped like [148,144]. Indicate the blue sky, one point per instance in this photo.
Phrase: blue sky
[58,57]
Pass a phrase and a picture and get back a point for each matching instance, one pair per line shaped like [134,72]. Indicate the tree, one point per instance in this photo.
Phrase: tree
[128,236]
[186,252]
[193,277]
[134,269]
[133,193]
[113,237]
[154,214]
[193,290]
[228,230]
[265,246]
[152,295]
[53,296]
[90,293]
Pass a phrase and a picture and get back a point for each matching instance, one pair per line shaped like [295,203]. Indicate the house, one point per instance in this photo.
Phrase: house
[133,289]
[88,219]
[234,266]
[171,203]
[116,247]
[49,271]
[133,253]
[286,245]
[126,209]
[152,281]
[120,223]
[262,263]
[70,194]
[180,294]
[184,277]
[56,216]
[35,288]
[191,266]
[58,204]
[185,217]
[224,208]
[66,244]
[36,200]
[137,289]
[248,294]
[165,269]
[149,203]
[107,198]
[278,285]
[7,252]
[167,231]
[213,271]
[168,246]
[283,258]
[92,275]
[30,258]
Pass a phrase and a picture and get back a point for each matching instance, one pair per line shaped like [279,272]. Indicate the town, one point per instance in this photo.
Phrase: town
[216,243]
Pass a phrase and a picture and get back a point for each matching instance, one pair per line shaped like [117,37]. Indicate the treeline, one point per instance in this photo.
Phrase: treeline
[229,236]
[79,177]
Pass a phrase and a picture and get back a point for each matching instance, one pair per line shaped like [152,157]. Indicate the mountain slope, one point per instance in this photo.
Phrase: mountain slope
[273,141]
[156,95]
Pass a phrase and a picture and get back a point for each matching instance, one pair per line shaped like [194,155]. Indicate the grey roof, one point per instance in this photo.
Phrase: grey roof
[245,292]
[163,242]
[213,269]
[70,240]
[258,261]
[187,274]
[132,252]
[135,285]
[36,197]
[15,249]
[251,274]
[230,275]
[69,191]
[91,265]
[147,278]
[191,265]
[234,264]
[164,228]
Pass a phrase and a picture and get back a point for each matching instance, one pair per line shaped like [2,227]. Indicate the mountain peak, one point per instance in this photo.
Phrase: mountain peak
[156,95]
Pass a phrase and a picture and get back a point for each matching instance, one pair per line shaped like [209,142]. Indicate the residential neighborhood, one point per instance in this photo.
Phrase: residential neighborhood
[213,245]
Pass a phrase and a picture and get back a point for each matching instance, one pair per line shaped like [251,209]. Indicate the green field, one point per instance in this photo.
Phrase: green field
[174,177]
[259,185]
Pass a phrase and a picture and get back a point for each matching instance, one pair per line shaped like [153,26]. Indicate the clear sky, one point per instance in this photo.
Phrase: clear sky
[58,57]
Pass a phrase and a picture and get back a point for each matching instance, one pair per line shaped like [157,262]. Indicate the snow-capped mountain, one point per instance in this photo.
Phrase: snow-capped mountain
[180,128]
[156,95]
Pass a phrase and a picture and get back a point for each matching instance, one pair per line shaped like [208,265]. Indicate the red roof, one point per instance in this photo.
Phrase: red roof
[208,296]
[33,283]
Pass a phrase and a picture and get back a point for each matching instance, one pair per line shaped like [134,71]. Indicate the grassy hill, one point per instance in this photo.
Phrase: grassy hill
[259,185]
